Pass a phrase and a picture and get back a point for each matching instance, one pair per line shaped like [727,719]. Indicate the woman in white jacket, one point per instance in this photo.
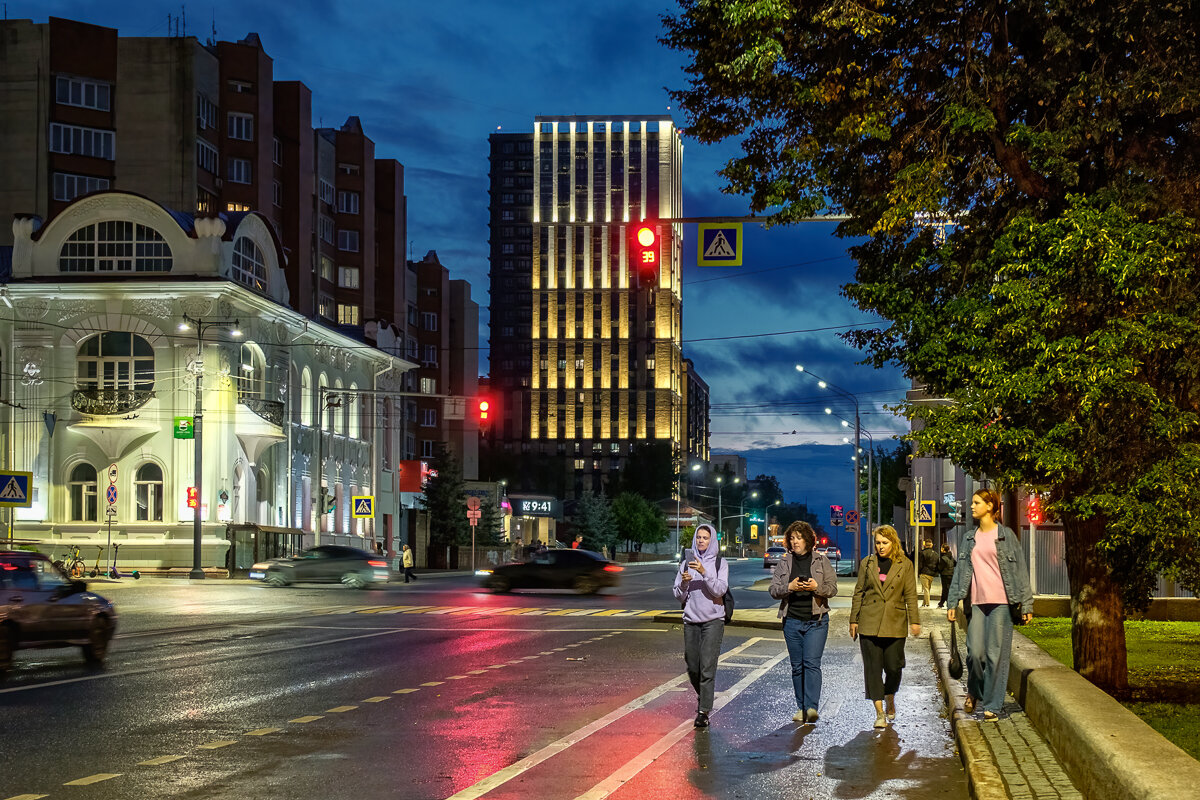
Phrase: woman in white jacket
[700,584]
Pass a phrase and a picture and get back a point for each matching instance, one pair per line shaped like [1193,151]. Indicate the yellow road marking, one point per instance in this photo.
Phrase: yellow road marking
[651,614]
[340,709]
[377,699]
[561,612]
[303,720]
[27,797]
[433,683]
[157,762]
[405,691]
[515,611]
[262,731]
[498,666]
[219,743]
[456,678]
[425,609]
[89,780]
[477,672]
[380,609]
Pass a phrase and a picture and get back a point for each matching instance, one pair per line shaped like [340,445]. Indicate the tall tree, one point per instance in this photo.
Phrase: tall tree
[446,502]
[593,519]
[638,521]
[1052,303]
[490,527]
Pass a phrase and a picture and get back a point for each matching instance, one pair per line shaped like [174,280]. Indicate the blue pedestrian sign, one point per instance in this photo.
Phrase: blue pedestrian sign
[363,506]
[719,245]
[16,489]
[925,515]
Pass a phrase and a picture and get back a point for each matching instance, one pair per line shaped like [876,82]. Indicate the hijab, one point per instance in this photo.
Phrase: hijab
[709,557]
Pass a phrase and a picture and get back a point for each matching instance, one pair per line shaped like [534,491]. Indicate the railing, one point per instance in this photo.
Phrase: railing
[109,401]
[269,410]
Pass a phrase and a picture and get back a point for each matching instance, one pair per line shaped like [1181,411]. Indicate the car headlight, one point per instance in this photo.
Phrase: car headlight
[482,572]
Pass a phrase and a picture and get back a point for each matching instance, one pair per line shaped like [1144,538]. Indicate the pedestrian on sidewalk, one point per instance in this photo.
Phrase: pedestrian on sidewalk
[946,571]
[928,567]
[992,578]
[700,585]
[803,582]
[883,612]
[406,559]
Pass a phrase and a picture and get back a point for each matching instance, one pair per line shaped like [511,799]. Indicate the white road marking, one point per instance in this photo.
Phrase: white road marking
[89,780]
[158,762]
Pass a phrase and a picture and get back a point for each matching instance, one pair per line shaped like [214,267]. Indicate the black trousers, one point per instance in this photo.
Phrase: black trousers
[883,662]
[945,589]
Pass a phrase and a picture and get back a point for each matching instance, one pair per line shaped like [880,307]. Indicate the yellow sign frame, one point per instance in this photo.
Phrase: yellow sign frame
[354,505]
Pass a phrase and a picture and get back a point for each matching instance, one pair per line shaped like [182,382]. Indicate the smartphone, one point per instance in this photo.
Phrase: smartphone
[688,556]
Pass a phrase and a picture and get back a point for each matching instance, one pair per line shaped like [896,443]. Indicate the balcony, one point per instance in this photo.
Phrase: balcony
[109,402]
[270,410]
[258,424]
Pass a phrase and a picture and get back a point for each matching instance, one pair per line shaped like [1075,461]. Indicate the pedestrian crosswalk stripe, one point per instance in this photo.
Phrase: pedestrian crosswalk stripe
[496,611]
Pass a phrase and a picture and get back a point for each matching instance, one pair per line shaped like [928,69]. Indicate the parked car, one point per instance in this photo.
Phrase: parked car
[41,607]
[326,563]
[581,570]
[772,556]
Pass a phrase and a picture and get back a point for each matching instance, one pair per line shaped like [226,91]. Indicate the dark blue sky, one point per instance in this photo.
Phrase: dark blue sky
[431,81]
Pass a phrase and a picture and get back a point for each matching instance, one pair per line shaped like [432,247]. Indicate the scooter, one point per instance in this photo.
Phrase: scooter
[114,573]
[96,569]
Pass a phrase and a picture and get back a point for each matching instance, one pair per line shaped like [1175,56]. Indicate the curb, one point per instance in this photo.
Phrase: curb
[983,776]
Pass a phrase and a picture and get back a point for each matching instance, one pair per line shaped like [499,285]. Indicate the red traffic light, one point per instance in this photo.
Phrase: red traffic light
[484,405]
[644,252]
[192,502]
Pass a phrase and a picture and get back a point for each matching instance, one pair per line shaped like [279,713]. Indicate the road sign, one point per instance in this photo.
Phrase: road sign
[111,513]
[835,516]
[473,503]
[110,494]
[925,516]
[112,473]
[362,506]
[719,245]
[851,518]
[851,527]
[16,489]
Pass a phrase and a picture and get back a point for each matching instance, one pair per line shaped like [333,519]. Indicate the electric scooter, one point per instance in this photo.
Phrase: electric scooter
[96,569]
[114,573]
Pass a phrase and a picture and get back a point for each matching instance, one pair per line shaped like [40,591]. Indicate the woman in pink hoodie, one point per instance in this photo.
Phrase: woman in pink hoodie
[700,585]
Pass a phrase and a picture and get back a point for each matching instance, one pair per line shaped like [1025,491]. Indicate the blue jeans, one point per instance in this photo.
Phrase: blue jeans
[989,646]
[806,645]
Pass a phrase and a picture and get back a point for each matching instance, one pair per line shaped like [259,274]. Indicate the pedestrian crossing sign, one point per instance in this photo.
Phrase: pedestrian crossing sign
[363,506]
[923,516]
[719,245]
[16,489]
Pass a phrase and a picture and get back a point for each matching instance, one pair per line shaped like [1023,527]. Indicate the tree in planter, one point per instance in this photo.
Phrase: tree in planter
[446,502]
[489,528]
[1055,317]
[638,521]
[594,521]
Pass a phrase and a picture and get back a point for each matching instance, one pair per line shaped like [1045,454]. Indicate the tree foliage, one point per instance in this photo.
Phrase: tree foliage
[489,530]
[593,519]
[638,521]
[650,471]
[1025,180]
[446,502]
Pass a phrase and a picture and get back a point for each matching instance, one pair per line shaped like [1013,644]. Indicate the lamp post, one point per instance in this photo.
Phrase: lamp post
[188,323]
[678,494]
[742,522]
[824,384]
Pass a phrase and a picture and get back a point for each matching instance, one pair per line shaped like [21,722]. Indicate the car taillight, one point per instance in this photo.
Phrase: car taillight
[376,563]
[612,568]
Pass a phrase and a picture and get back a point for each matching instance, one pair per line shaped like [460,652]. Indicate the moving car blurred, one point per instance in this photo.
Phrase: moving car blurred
[41,607]
[772,556]
[325,563]
[581,570]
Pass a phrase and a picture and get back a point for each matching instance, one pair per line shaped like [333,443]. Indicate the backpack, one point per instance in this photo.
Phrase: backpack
[726,598]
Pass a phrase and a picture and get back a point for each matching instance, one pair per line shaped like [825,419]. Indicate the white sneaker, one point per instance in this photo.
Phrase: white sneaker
[881,721]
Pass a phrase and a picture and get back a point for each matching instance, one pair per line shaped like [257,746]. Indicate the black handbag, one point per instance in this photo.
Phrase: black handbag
[956,665]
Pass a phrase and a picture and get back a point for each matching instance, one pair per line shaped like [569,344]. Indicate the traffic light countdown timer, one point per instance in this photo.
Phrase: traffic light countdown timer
[644,252]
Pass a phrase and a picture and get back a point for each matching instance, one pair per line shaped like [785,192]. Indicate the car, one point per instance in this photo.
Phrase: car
[581,570]
[832,553]
[327,563]
[41,607]
[772,556]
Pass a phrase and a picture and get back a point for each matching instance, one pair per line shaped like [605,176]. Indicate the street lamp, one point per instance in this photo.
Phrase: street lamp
[742,522]
[678,493]
[857,427]
[198,427]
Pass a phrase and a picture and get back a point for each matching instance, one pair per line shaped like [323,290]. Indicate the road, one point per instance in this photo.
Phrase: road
[438,689]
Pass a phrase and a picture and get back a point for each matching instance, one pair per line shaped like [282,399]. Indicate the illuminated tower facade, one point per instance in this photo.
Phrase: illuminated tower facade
[585,346]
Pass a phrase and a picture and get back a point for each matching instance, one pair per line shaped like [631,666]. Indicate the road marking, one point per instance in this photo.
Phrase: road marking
[477,672]
[89,780]
[216,745]
[377,699]
[27,797]
[433,683]
[158,762]
[262,731]
[405,691]
[497,666]
[529,762]
[305,720]
[340,709]
[642,760]
[456,677]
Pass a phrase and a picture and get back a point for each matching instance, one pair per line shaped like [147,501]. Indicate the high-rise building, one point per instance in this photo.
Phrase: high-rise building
[585,347]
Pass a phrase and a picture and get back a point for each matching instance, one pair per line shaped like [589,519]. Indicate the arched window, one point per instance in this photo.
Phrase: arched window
[249,266]
[352,410]
[148,490]
[115,246]
[339,410]
[83,493]
[251,371]
[115,360]
[306,397]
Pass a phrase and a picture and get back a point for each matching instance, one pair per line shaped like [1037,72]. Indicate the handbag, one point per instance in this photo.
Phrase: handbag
[956,666]
[1014,609]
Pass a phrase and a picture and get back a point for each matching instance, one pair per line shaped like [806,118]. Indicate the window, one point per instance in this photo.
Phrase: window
[239,170]
[306,398]
[76,140]
[347,169]
[240,126]
[277,155]
[83,493]
[251,372]
[428,418]
[148,493]
[327,268]
[650,363]
[68,187]
[427,448]
[206,113]
[348,241]
[206,156]
[116,360]
[428,385]
[347,314]
[115,246]
[431,354]
[277,193]
[236,207]
[348,277]
[325,190]
[325,306]
[429,321]
[83,93]
[249,266]
[327,236]
[348,202]
[240,87]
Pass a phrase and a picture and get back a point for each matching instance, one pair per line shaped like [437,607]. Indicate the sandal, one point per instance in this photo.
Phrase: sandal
[990,716]
[969,705]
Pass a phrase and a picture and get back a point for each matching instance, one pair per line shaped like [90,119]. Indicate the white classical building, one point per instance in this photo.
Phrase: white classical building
[112,308]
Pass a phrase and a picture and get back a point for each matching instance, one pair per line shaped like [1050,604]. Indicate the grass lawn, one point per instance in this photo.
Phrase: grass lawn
[1164,672]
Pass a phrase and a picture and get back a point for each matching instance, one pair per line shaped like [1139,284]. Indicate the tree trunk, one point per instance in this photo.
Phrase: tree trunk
[1097,613]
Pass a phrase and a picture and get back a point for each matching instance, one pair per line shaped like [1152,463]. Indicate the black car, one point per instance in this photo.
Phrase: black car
[326,563]
[581,570]
[41,607]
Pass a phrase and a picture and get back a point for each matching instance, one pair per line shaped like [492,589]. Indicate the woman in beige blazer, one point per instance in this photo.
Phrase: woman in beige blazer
[883,612]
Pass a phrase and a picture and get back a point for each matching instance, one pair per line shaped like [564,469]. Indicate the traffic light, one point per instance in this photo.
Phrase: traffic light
[192,502]
[328,502]
[483,407]
[645,252]
[955,510]
[1034,509]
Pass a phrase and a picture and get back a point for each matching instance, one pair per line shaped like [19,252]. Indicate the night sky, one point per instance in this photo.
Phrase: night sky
[431,81]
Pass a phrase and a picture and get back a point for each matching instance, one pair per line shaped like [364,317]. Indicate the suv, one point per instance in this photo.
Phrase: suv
[41,607]
[772,556]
